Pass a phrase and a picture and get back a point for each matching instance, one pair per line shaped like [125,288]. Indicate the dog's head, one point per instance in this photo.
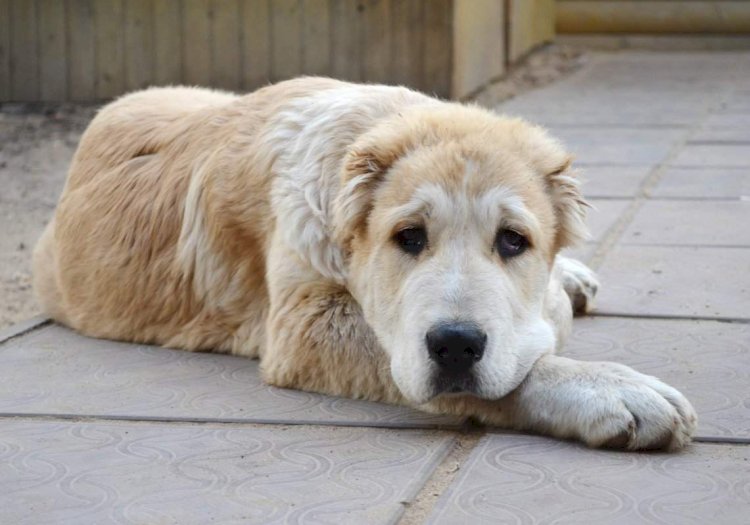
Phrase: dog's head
[451,218]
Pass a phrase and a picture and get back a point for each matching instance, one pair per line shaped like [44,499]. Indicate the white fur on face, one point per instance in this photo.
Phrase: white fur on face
[460,277]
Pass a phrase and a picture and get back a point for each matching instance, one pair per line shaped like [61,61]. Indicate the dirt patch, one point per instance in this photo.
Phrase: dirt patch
[36,145]
[540,68]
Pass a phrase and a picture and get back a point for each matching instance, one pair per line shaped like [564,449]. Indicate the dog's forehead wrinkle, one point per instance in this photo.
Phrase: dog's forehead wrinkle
[457,209]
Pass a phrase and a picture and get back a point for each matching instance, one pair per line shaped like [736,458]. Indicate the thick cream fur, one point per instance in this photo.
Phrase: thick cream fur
[262,225]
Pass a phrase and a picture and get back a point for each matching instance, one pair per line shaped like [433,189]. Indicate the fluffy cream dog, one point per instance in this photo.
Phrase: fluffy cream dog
[362,241]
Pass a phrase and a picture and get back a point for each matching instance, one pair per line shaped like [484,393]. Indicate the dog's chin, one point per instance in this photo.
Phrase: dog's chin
[449,385]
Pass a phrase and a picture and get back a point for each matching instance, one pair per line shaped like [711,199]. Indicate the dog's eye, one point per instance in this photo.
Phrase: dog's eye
[510,243]
[412,240]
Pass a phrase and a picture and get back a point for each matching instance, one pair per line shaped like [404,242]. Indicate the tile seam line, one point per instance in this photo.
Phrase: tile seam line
[473,432]
[666,317]
[423,501]
[661,198]
[617,230]
[22,328]
[89,418]
[720,440]
[681,245]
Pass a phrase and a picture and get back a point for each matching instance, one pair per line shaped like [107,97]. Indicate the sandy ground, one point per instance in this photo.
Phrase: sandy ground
[36,145]
[38,141]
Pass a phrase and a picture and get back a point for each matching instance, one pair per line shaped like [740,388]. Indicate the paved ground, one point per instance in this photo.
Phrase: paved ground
[100,432]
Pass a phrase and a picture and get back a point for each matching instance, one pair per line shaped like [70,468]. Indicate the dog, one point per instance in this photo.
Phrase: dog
[364,241]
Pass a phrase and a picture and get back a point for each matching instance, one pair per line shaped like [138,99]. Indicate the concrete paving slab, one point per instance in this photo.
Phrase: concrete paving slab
[720,135]
[676,281]
[714,155]
[22,327]
[56,371]
[612,181]
[728,119]
[519,479]
[584,252]
[708,361]
[738,101]
[607,110]
[603,215]
[574,105]
[618,146]
[710,183]
[686,74]
[101,472]
[706,223]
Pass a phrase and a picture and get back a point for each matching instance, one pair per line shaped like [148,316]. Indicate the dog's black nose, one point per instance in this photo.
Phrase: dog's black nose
[455,347]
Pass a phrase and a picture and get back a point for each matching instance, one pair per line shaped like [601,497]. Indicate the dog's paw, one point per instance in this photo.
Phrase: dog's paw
[634,411]
[579,282]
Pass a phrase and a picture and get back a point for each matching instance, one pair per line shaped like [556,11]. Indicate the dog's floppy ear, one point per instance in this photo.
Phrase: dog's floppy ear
[364,168]
[570,207]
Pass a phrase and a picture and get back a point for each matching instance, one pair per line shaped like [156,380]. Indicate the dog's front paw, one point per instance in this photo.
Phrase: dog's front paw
[634,411]
[579,282]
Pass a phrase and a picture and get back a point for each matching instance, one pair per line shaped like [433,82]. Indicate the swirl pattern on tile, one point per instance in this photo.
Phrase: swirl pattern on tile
[56,371]
[528,479]
[128,472]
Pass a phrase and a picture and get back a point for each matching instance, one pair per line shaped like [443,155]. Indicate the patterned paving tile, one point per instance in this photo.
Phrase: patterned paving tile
[618,146]
[705,183]
[22,327]
[718,135]
[728,119]
[676,281]
[602,215]
[56,371]
[707,361]
[520,479]
[714,155]
[612,181]
[583,253]
[690,222]
[86,472]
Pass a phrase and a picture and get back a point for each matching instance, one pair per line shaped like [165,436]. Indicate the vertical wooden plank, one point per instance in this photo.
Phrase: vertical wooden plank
[81,66]
[316,40]
[532,22]
[345,60]
[139,44]
[376,41]
[286,42]
[110,48]
[4,50]
[478,44]
[167,42]
[225,45]
[256,43]
[24,55]
[407,50]
[437,47]
[53,79]
[196,42]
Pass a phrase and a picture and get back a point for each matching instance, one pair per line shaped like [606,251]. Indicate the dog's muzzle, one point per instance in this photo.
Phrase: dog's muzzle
[455,348]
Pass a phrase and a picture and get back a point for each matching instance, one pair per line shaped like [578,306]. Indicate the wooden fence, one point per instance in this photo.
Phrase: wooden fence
[84,50]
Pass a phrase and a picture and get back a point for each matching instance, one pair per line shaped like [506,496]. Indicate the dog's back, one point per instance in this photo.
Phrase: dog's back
[163,227]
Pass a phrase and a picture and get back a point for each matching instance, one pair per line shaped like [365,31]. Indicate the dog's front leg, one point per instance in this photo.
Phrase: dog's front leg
[600,403]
